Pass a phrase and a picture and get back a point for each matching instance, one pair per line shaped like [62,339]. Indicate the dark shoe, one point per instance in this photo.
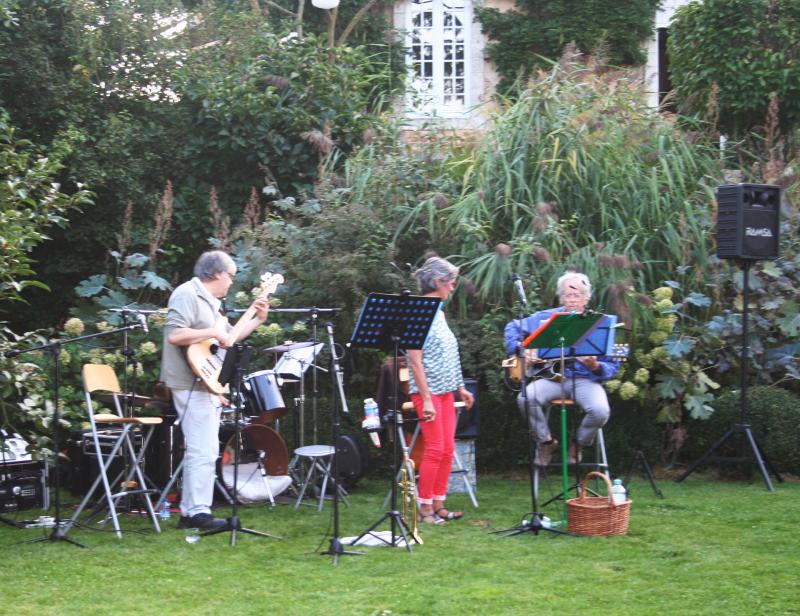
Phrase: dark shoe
[203,521]
[544,452]
[574,453]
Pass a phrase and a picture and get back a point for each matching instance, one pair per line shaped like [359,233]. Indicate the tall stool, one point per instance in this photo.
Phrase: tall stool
[320,460]
[600,463]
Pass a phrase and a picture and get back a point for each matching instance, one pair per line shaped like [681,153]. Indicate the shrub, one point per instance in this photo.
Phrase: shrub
[774,414]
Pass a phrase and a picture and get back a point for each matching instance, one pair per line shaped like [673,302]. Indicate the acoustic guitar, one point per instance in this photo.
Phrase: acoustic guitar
[206,357]
[546,368]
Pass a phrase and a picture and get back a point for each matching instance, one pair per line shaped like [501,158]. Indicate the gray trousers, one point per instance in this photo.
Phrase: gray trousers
[589,395]
[199,413]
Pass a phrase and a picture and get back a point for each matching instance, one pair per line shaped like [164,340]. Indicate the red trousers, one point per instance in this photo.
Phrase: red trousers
[440,442]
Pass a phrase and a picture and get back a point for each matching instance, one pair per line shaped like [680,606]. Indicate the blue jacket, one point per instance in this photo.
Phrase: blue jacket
[517,330]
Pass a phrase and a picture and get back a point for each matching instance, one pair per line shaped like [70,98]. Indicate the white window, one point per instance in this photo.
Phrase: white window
[437,41]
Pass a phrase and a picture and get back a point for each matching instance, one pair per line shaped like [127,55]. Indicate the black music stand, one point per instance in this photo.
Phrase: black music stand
[562,331]
[237,358]
[397,322]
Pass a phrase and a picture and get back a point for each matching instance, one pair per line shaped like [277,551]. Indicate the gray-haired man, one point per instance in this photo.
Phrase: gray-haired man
[194,316]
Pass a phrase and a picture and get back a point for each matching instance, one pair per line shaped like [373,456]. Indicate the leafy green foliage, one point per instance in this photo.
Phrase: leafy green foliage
[267,105]
[728,58]
[525,39]
[578,172]
[774,414]
[30,202]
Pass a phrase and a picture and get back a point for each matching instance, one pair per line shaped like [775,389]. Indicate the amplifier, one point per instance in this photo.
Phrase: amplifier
[22,488]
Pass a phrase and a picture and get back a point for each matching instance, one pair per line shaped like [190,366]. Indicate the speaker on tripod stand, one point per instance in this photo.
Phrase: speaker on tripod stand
[748,221]
[748,229]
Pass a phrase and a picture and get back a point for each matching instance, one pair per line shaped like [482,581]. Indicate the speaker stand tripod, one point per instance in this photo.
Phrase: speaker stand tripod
[639,460]
[743,425]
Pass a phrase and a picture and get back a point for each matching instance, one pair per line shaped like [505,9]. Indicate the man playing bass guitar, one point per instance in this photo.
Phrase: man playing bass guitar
[584,377]
[194,317]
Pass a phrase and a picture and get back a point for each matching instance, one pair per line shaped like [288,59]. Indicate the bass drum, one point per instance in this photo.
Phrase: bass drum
[256,438]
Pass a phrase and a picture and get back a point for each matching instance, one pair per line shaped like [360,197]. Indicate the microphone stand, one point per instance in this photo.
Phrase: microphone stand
[336,547]
[232,371]
[532,522]
[54,348]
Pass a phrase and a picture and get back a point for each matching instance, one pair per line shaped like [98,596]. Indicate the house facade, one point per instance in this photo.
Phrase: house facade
[451,82]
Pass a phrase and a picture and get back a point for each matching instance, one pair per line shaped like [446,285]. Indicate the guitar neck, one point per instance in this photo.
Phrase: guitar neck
[236,330]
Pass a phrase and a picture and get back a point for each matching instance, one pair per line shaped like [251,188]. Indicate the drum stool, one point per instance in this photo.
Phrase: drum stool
[320,462]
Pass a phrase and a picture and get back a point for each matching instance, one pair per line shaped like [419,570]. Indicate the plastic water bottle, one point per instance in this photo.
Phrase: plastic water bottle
[618,493]
[163,510]
[372,421]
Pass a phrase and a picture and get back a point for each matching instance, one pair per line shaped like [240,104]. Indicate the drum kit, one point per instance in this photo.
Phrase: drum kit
[262,445]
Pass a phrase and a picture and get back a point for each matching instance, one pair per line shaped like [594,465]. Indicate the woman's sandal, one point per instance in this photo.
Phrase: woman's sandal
[448,515]
[431,518]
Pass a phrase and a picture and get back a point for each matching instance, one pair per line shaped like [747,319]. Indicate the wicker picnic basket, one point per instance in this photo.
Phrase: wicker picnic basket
[597,516]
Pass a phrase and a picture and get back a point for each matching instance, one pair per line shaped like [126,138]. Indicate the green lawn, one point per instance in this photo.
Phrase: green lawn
[707,548]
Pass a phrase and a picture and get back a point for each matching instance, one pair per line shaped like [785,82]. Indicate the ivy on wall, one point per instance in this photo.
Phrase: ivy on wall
[524,39]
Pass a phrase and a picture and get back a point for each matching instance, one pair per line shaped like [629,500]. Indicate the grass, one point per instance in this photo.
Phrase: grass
[707,548]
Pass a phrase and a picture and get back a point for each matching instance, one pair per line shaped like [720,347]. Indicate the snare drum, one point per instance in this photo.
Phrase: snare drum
[263,396]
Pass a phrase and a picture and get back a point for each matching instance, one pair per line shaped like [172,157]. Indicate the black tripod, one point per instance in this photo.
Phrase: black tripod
[639,459]
[743,425]
[236,361]
[335,548]
[54,348]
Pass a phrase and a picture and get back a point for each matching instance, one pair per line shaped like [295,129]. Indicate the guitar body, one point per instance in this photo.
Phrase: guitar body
[206,359]
[538,368]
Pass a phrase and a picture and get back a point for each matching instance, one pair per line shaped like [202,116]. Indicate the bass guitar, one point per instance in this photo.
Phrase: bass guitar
[206,357]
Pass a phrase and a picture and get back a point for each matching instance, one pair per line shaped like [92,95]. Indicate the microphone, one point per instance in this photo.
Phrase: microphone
[520,290]
[143,322]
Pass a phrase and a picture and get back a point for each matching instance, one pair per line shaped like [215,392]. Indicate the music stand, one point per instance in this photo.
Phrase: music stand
[237,358]
[397,322]
[565,332]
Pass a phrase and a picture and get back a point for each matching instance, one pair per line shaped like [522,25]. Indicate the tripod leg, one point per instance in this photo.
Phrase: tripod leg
[757,455]
[707,454]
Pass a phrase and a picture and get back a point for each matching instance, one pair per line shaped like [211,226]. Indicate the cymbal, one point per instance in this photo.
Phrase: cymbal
[288,346]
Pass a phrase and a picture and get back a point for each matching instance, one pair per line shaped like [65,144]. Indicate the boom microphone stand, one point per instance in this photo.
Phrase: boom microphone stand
[236,360]
[54,348]
[532,522]
[336,548]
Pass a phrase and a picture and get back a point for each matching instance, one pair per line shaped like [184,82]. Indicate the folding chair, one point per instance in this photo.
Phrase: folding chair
[101,378]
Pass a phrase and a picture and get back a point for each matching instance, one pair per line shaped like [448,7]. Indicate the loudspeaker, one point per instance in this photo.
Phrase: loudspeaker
[23,486]
[748,221]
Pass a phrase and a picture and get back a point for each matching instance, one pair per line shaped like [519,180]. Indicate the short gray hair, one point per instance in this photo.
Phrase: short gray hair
[432,271]
[579,281]
[211,263]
